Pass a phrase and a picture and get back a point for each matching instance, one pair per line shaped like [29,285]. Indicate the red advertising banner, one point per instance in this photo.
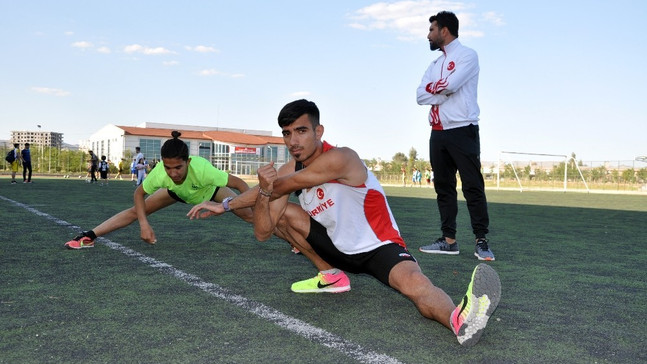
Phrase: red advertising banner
[245,150]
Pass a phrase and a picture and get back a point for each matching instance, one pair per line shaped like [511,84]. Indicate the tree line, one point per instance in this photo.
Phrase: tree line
[531,171]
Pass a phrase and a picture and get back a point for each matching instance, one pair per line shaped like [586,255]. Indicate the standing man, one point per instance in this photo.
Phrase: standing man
[450,86]
[138,155]
[428,176]
[94,164]
[345,217]
[104,169]
[16,162]
[26,164]
[133,166]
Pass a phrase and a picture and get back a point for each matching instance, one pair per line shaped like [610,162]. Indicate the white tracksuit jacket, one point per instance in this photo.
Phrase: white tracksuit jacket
[450,86]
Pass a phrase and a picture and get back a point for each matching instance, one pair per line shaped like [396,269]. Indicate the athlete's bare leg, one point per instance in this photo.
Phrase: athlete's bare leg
[294,227]
[431,301]
[154,202]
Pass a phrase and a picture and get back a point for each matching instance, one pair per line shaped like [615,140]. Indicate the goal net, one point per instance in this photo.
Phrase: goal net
[536,171]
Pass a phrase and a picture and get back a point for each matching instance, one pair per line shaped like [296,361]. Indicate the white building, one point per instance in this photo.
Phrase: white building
[236,150]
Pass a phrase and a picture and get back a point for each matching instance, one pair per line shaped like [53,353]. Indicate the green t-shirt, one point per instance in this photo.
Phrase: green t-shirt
[200,183]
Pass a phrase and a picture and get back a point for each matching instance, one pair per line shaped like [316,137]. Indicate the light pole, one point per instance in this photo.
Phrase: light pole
[49,158]
[40,155]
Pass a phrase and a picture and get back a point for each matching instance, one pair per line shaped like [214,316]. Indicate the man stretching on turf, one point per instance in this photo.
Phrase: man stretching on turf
[346,219]
[179,177]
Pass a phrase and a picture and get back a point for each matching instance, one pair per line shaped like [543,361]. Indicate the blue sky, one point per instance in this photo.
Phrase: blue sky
[556,76]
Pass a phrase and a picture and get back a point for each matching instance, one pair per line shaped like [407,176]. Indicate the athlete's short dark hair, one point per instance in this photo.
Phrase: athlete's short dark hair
[175,147]
[446,19]
[296,109]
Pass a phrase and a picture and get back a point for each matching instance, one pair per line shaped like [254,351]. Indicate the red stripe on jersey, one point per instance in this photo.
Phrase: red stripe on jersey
[378,217]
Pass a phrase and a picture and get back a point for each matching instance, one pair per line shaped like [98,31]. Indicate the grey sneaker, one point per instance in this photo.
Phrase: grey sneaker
[440,246]
[482,251]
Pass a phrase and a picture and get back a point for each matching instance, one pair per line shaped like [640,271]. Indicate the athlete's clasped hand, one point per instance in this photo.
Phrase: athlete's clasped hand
[266,176]
[206,209]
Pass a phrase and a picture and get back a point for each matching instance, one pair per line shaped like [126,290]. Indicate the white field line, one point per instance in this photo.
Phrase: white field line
[301,328]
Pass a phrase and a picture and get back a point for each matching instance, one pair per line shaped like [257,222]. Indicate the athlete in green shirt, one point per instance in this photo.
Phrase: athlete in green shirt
[178,177]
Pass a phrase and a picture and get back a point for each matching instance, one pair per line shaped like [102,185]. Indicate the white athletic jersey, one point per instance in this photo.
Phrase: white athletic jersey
[450,86]
[357,218]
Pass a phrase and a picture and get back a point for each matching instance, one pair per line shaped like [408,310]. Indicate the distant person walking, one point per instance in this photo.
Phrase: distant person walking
[133,166]
[121,166]
[26,164]
[15,163]
[141,170]
[104,169]
[94,164]
[450,86]
[416,177]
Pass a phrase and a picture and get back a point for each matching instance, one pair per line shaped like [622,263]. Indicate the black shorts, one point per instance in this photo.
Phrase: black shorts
[377,262]
[179,199]
[104,174]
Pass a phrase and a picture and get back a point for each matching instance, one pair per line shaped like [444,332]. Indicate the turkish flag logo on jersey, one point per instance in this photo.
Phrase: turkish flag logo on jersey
[320,193]
[451,66]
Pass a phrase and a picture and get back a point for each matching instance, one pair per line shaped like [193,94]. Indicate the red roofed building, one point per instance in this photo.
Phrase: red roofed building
[237,150]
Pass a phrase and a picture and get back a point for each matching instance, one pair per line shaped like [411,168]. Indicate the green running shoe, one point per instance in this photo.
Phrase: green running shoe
[331,283]
[468,320]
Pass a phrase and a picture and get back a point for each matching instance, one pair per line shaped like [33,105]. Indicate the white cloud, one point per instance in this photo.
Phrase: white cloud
[50,91]
[210,72]
[104,50]
[136,48]
[202,49]
[82,45]
[170,63]
[494,18]
[87,45]
[409,19]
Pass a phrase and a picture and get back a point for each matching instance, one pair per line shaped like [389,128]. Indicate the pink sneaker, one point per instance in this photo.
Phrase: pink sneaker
[331,283]
[80,242]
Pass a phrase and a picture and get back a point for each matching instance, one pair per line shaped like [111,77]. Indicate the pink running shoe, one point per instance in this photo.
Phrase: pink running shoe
[80,242]
[331,283]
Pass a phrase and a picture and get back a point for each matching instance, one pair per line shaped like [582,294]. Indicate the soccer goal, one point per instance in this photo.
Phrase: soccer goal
[537,171]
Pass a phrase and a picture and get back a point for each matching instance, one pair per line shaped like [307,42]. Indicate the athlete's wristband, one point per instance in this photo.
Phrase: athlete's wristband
[264,193]
[225,203]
